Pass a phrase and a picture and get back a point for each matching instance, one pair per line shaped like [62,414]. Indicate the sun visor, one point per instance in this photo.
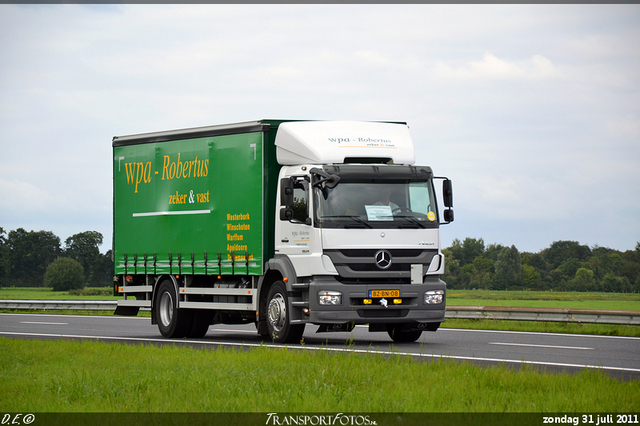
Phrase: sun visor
[330,142]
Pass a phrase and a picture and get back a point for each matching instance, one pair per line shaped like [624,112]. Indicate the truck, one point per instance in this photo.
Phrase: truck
[280,223]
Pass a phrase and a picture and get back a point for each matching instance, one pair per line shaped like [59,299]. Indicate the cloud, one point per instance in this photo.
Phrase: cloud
[532,110]
[624,126]
[493,68]
[19,197]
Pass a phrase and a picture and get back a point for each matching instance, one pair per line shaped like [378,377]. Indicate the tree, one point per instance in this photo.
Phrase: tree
[531,278]
[492,251]
[570,266]
[534,259]
[563,266]
[452,269]
[83,247]
[455,251]
[630,269]
[559,280]
[5,261]
[614,284]
[477,274]
[103,272]
[31,253]
[64,274]
[508,269]
[584,280]
[561,251]
[471,248]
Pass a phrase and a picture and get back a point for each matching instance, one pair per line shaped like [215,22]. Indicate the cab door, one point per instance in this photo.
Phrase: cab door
[295,230]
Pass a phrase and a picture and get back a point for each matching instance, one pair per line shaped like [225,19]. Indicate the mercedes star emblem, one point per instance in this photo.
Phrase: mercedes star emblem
[383,259]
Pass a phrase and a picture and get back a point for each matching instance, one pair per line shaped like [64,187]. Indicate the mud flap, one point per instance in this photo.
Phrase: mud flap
[127,311]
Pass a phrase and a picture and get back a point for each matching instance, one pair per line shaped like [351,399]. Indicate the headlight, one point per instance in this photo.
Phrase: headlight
[326,297]
[434,297]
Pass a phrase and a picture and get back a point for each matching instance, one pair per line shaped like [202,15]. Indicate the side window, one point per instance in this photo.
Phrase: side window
[300,201]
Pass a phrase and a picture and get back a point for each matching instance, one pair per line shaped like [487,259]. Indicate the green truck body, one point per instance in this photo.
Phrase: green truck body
[202,205]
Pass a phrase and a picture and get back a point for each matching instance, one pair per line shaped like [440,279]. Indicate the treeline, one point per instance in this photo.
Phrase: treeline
[563,266]
[26,255]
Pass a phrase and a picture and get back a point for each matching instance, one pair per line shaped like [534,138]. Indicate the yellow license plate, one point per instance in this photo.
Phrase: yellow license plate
[384,293]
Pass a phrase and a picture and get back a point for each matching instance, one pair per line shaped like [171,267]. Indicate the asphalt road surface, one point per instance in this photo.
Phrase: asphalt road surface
[616,356]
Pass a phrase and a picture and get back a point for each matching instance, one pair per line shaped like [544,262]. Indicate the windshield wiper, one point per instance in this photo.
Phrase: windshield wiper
[412,220]
[323,179]
[355,218]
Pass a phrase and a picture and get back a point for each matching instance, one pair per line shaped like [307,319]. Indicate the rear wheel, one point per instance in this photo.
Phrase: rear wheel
[199,324]
[278,316]
[172,322]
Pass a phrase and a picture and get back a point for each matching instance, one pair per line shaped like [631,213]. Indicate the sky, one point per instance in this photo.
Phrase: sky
[533,111]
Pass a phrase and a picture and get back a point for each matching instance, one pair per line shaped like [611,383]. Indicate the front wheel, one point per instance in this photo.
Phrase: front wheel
[172,322]
[399,335]
[278,317]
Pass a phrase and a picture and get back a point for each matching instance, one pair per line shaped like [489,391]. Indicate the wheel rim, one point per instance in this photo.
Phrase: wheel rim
[166,308]
[277,312]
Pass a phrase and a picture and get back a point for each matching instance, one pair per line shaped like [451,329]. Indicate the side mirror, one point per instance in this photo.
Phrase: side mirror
[447,194]
[286,192]
[448,215]
[286,213]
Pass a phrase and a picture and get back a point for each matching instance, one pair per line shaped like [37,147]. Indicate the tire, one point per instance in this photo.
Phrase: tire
[278,317]
[199,324]
[399,335]
[173,323]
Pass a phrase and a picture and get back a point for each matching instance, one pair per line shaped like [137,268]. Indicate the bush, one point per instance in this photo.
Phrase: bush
[64,274]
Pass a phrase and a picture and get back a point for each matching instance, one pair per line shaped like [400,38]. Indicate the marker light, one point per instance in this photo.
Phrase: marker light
[367,301]
[397,301]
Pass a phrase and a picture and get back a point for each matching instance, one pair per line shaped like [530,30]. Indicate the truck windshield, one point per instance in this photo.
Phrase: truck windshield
[392,204]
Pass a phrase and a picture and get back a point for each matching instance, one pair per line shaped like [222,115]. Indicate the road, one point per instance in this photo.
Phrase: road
[616,356]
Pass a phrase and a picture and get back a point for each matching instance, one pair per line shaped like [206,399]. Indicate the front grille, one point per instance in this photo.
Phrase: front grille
[372,252]
[358,266]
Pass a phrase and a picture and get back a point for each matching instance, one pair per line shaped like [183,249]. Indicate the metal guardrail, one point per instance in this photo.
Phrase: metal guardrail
[462,312]
[57,305]
[544,314]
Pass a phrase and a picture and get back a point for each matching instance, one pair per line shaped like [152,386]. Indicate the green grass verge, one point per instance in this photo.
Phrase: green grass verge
[545,299]
[545,327]
[45,293]
[71,376]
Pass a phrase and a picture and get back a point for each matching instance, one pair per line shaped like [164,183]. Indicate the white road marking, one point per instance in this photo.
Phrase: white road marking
[540,346]
[44,323]
[539,333]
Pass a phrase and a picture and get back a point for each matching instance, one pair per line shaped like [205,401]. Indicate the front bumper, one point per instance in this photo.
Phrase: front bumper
[353,309]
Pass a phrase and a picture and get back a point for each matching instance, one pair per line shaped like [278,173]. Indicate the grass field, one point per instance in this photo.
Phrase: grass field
[70,376]
[45,293]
